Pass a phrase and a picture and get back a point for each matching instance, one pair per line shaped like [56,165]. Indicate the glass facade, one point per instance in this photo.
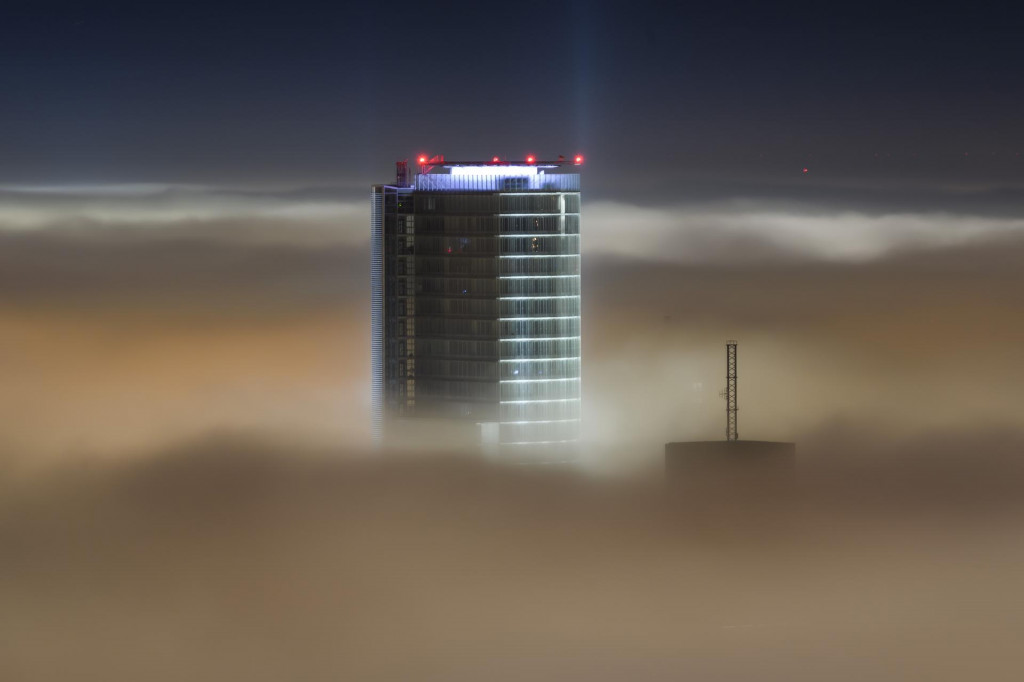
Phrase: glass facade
[476,302]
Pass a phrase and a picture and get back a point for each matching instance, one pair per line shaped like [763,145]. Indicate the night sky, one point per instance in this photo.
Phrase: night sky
[668,100]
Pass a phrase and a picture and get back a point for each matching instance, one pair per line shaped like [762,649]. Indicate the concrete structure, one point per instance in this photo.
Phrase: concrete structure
[729,459]
[476,302]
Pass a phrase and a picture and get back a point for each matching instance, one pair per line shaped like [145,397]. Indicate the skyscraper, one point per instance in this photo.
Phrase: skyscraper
[476,301]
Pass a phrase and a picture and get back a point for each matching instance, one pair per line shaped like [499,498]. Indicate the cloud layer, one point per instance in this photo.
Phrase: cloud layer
[845,225]
[234,559]
[121,336]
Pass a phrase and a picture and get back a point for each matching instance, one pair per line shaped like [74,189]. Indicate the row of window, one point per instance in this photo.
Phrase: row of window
[456,369]
[540,390]
[454,203]
[540,348]
[483,266]
[486,369]
[401,266]
[476,307]
[453,408]
[560,244]
[395,327]
[489,286]
[470,225]
[568,202]
[458,348]
[544,265]
[539,286]
[451,202]
[402,307]
[492,246]
[568,368]
[540,327]
[455,326]
[458,286]
[489,307]
[447,246]
[544,307]
[399,245]
[549,224]
[529,328]
[469,265]
[456,390]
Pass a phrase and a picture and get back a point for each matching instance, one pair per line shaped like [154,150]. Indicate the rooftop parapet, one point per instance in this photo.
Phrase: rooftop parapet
[503,179]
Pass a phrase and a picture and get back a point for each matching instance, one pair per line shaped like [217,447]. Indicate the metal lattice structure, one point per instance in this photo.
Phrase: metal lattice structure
[731,426]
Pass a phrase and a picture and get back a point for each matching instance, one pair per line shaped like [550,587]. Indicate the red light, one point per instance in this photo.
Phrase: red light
[578,160]
[495,160]
[423,160]
[805,171]
[531,159]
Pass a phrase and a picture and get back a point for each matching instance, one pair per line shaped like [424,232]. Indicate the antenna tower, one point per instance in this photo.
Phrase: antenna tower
[731,427]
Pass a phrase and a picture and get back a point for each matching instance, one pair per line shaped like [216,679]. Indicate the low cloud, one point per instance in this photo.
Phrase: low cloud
[120,337]
[279,214]
[140,546]
[742,231]
[234,558]
[728,229]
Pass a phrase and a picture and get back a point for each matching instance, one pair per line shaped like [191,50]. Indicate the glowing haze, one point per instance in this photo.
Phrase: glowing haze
[185,486]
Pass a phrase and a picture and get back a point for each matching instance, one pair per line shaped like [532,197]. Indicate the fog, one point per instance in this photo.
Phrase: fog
[123,336]
[240,559]
[187,489]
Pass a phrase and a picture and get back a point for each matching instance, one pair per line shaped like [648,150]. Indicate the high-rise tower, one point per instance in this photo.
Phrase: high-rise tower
[476,300]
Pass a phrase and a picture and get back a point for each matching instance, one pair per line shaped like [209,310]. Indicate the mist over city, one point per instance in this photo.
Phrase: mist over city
[190,486]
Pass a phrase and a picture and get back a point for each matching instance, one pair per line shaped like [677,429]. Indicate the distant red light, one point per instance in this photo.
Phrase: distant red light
[578,160]
[495,160]
[423,160]
[531,159]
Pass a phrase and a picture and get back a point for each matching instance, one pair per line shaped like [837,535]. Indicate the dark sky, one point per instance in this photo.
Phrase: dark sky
[710,95]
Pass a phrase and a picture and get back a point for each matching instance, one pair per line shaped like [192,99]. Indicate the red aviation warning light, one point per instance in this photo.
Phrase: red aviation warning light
[531,159]
[495,160]
[427,163]
[578,160]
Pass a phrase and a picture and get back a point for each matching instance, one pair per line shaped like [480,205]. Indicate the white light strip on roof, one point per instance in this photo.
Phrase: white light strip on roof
[535,298]
[536,381]
[531,215]
[544,421]
[530,402]
[536,359]
[483,170]
[544,255]
[542,338]
[535,276]
[538,194]
[538,234]
[555,317]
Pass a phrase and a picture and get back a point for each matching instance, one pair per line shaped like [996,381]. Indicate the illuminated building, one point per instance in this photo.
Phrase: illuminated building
[476,301]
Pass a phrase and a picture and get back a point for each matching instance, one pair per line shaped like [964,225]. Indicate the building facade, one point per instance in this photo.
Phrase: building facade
[476,302]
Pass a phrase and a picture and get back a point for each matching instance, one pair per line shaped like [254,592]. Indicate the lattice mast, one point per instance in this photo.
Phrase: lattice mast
[731,426]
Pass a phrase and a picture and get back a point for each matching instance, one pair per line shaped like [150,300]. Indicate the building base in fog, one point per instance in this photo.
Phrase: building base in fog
[729,459]
[439,435]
